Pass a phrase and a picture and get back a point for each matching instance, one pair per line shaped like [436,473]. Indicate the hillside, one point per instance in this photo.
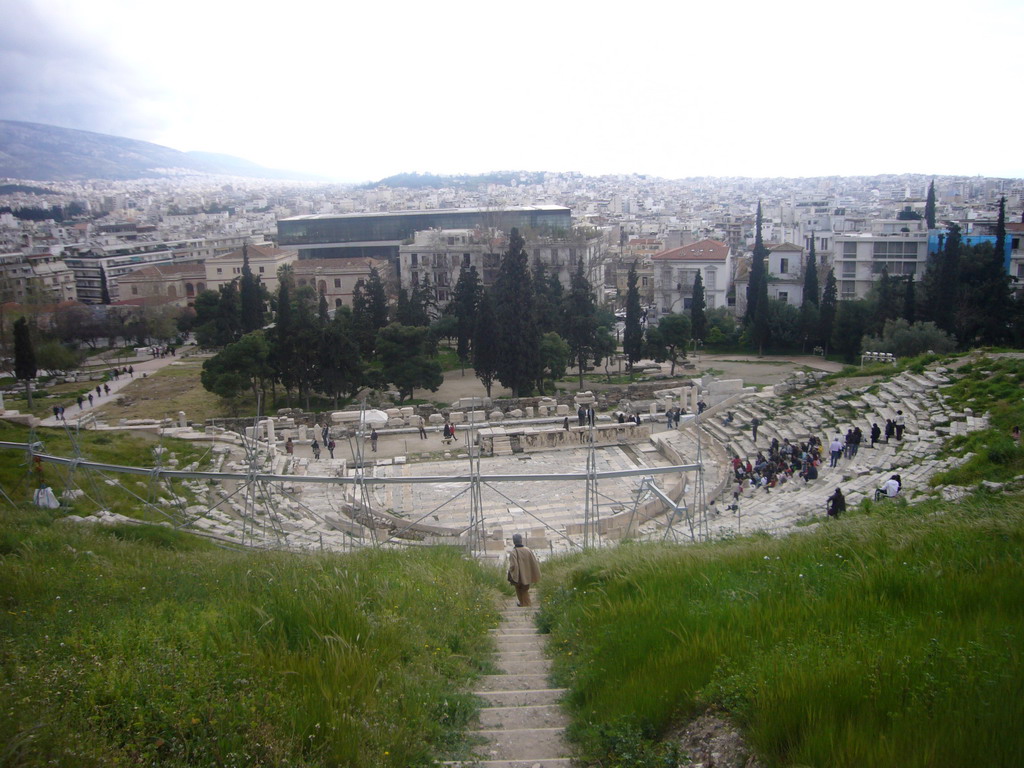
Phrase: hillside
[49,153]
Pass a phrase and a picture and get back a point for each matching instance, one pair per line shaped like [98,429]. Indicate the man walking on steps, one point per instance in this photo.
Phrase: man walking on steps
[523,570]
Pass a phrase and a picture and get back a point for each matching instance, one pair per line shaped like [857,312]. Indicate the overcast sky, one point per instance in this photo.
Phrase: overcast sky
[680,88]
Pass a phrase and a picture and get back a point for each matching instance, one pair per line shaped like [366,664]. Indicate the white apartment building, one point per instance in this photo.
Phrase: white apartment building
[675,271]
[860,258]
[336,278]
[21,275]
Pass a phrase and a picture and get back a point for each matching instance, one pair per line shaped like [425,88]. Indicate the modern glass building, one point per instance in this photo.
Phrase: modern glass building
[378,235]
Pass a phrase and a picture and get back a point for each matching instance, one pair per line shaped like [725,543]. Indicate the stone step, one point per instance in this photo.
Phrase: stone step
[488,683]
[523,643]
[523,667]
[529,716]
[529,654]
[534,697]
[522,743]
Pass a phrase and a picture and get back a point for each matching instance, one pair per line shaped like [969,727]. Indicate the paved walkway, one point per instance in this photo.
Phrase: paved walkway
[147,366]
[523,725]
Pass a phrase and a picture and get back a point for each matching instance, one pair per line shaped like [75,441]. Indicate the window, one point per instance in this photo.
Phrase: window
[135,290]
[784,297]
[784,266]
[465,259]
[895,249]
[413,259]
[849,269]
[850,250]
[261,270]
[337,302]
[846,289]
[337,282]
[219,271]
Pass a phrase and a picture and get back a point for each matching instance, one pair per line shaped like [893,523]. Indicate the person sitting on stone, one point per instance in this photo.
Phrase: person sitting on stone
[890,489]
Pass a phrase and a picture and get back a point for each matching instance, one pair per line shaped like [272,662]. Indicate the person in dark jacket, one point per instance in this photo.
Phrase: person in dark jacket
[836,503]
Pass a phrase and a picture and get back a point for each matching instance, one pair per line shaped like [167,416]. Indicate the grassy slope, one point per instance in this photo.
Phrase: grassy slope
[893,638]
[140,645]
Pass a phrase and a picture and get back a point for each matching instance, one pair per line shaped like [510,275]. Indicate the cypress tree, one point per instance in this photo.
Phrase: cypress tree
[377,301]
[809,300]
[929,206]
[757,288]
[249,295]
[909,308]
[519,364]
[465,301]
[581,321]
[485,343]
[1001,230]
[698,318]
[827,310]
[104,288]
[633,335]
[942,305]
[24,356]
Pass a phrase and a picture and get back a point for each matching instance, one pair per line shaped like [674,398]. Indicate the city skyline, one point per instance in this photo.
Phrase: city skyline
[358,94]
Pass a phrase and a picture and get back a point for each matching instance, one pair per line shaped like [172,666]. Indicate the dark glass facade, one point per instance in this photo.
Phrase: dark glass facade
[393,228]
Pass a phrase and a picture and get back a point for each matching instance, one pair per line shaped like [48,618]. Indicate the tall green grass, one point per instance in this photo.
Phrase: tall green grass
[164,650]
[890,639]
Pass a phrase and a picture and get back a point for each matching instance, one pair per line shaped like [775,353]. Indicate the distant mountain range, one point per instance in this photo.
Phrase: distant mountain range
[48,153]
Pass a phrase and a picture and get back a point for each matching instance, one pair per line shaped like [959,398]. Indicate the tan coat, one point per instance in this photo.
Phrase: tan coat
[523,567]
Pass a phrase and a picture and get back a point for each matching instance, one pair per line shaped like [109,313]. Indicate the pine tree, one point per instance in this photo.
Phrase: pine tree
[633,335]
[24,356]
[519,364]
[698,318]
[322,312]
[465,300]
[581,320]
[827,310]
[929,206]
[485,342]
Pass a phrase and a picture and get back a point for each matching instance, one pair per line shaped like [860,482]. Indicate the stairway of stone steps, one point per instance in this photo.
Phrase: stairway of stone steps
[522,724]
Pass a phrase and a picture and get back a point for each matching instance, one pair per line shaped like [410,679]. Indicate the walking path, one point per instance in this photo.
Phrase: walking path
[74,413]
[523,725]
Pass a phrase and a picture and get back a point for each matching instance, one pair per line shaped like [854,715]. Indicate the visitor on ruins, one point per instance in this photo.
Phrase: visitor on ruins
[90,399]
[835,449]
[890,429]
[891,488]
[565,423]
[131,371]
[809,472]
[636,418]
[106,389]
[581,414]
[900,423]
[622,419]
[523,570]
[331,446]
[289,446]
[80,401]
[754,424]
[848,445]
[1015,434]
[423,430]
[728,418]
[373,439]
[836,503]
[316,449]
[875,434]
[98,390]
[591,416]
